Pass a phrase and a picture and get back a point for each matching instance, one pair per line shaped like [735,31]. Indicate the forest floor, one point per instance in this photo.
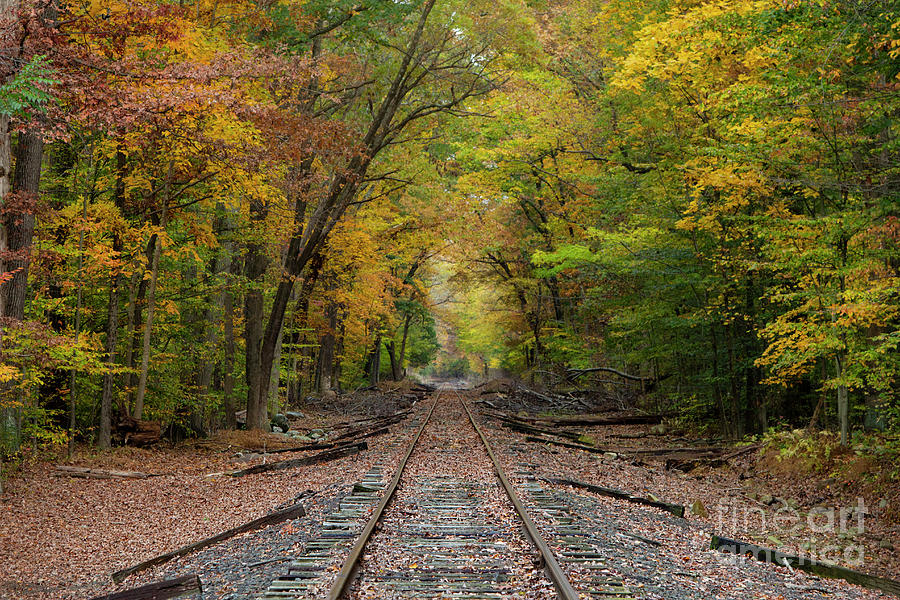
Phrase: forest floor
[755,498]
[62,537]
[764,497]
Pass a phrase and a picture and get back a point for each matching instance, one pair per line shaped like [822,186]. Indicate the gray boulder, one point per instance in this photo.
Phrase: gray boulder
[280,421]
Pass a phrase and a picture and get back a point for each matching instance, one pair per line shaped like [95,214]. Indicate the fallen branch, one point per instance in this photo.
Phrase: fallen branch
[362,432]
[596,420]
[573,445]
[676,509]
[315,459]
[810,565]
[521,427]
[328,445]
[272,518]
[688,464]
[573,374]
[63,470]
[370,421]
[172,588]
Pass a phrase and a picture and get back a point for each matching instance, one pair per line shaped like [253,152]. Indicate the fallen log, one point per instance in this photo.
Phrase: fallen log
[573,445]
[805,563]
[137,432]
[352,433]
[315,459]
[696,451]
[690,463]
[676,509]
[528,428]
[328,445]
[596,420]
[370,421]
[161,590]
[292,512]
[64,470]
[686,465]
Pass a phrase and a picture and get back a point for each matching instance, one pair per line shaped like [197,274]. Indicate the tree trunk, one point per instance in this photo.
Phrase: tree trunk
[275,378]
[734,396]
[151,305]
[9,430]
[727,426]
[253,332]
[112,317]
[402,358]
[255,267]
[299,337]
[326,350]
[148,330]
[15,240]
[220,262]
[132,318]
[112,336]
[234,269]
[338,355]
[395,365]
[375,368]
[843,404]
[19,221]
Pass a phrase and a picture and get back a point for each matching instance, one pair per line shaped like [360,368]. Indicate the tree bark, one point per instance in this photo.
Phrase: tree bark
[151,305]
[112,331]
[137,290]
[392,355]
[255,268]
[19,220]
[326,350]
[843,404]
[112,317]
[234,269]
[406,323]
[375,368]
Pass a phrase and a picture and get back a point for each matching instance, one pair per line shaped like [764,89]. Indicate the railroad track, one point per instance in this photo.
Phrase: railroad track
[442,527]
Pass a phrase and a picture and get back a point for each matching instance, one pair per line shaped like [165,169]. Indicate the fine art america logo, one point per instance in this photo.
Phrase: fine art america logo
[820,522]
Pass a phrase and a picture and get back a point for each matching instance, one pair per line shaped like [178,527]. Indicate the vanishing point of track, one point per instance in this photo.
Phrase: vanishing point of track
[451,534]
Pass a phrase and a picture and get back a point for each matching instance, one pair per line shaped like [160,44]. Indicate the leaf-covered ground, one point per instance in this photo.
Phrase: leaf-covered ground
[62,537]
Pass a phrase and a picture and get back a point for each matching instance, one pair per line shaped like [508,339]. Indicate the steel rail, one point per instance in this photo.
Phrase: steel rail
[554,571]
[344,577]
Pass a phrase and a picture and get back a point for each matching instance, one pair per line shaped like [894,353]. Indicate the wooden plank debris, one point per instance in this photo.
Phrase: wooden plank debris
[807,564]
[161,590]
[272,518]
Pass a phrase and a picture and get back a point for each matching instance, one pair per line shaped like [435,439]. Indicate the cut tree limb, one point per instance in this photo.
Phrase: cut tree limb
[306,460]
[62,470]
[272,518]
[161,590]
[808,564]
[676,509]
